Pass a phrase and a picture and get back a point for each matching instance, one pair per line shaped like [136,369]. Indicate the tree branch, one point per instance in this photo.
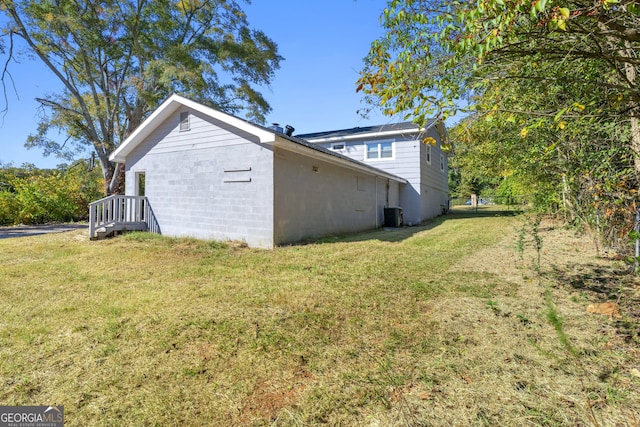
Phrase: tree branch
[24,34]
[7,74]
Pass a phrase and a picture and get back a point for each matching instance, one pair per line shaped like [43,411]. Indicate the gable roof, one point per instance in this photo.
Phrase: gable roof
[258,132]
[170,106]
[381,131]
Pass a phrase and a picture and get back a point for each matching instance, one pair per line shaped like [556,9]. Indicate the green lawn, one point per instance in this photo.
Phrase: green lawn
[451,323]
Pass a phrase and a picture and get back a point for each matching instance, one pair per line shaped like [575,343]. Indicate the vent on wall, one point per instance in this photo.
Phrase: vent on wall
[237,174]
[184,121]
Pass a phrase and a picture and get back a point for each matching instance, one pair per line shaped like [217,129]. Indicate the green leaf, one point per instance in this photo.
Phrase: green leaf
[562,24]
[533,14]
[559,114]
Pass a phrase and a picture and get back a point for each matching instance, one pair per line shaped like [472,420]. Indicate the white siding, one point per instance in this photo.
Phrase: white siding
[434,182]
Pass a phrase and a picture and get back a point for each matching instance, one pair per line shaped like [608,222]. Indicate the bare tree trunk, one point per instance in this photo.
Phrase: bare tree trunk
[631,74]
[567,205]
[635,145]
[113,174]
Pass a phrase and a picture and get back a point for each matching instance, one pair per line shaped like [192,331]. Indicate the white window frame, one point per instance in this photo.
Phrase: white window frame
[429,154]
[185,121]
[441,162]
[379,158]
[338,146]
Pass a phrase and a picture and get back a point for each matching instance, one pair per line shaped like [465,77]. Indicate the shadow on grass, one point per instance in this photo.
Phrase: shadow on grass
[600,284]
[387,234]
[588,277]
[459,212]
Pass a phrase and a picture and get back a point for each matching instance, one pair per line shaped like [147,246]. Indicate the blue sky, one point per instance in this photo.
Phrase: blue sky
[323,43]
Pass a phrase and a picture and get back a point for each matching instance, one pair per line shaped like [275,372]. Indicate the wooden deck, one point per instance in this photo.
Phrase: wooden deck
[117,213]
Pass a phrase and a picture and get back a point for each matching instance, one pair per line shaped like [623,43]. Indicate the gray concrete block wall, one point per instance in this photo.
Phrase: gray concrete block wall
[315,198]
[206,183]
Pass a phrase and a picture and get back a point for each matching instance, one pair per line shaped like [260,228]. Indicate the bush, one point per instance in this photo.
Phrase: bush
[8,207]
[35,196]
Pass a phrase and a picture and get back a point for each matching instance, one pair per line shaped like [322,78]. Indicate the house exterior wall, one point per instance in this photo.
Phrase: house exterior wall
[434,181]
[206,182]
[427,191]
[315,198]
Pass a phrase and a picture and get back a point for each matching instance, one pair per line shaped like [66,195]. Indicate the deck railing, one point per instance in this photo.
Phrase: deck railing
[119,210]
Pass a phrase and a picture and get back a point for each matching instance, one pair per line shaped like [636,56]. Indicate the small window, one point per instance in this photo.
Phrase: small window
[441,162]
[184,121]
[429,153]
[379,151]
[338,146]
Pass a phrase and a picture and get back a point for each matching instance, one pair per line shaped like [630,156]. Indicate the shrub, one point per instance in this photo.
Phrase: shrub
[35,196]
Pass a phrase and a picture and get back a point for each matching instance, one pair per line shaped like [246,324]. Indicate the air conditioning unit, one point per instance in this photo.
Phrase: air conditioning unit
[393,217]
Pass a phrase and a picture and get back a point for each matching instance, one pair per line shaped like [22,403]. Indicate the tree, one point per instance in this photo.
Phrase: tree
[434,52]
[551,87]
[569,160]
[117,60]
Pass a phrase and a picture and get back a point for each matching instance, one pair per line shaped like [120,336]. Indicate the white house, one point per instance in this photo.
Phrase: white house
[405,150]
[194,171]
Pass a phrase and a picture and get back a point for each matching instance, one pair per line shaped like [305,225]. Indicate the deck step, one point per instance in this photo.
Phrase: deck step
[111,230]
[119,213]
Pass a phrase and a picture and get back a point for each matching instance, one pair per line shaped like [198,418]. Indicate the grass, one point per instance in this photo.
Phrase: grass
[443,324]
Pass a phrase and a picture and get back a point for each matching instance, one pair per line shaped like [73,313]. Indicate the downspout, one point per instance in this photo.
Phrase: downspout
[387,186]
[375,210]
[387,193]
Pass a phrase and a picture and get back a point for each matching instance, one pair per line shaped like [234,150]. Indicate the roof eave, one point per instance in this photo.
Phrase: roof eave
[376,135]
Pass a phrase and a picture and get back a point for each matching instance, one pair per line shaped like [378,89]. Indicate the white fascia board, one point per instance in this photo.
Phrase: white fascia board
[170,106]
[362,136]
[375,135]
[285,144]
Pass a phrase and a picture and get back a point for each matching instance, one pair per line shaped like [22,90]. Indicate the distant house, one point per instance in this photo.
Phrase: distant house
[194,171]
